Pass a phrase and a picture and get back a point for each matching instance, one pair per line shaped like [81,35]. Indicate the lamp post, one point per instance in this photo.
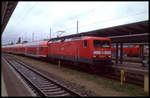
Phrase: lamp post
[77,26]
[50,33]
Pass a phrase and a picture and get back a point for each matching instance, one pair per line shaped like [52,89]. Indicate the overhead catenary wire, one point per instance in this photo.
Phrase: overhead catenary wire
[29,10]
[19,17]
[81,26]
[25,16]
[116,18]
[23,13]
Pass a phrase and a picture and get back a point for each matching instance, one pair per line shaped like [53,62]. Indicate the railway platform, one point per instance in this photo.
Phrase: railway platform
[12,84]
[3,87]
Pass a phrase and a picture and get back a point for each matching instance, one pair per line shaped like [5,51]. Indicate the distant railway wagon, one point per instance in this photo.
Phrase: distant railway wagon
[36,49]
[7,48]
[17,49]
[131,50]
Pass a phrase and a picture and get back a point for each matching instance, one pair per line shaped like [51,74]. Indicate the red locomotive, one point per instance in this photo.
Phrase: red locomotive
[85,49]
[131,50]
[88,50]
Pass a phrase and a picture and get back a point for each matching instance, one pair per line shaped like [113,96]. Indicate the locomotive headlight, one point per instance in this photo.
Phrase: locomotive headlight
[94,56]
[109,56]
[96,52]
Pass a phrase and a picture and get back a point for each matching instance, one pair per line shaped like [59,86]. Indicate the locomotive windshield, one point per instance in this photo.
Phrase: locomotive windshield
[101,43]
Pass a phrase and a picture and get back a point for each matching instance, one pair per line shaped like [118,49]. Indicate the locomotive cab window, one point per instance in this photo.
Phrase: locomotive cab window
[101,43]
[85,43]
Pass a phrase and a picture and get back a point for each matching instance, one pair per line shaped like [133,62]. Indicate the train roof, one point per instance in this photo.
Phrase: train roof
[18,45]
[93,37]
[39,43]
[44,43]
[7,46]
[78,38]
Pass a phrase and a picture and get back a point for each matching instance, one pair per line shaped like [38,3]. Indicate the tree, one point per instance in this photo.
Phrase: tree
[24,42]
[11,43]
[19,40]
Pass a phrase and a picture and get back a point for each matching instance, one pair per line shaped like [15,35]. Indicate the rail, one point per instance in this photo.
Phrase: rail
[42,84]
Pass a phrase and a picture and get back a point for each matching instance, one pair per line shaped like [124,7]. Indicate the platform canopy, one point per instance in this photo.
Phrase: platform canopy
[128,33]
[7,10]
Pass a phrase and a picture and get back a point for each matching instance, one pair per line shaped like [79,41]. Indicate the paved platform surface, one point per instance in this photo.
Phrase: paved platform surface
[3,87]
[12,84]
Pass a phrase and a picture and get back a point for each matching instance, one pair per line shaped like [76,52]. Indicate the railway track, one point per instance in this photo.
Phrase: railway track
[40,83]
[129,77]
[133,75]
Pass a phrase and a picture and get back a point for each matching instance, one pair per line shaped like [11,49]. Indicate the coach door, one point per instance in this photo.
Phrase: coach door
[37,51]
[77,52]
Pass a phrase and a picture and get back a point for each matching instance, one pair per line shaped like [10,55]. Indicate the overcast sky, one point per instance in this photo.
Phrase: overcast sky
[39,17]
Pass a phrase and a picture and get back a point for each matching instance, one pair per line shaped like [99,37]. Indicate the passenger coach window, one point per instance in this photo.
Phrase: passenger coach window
[41,48]
[85,43]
